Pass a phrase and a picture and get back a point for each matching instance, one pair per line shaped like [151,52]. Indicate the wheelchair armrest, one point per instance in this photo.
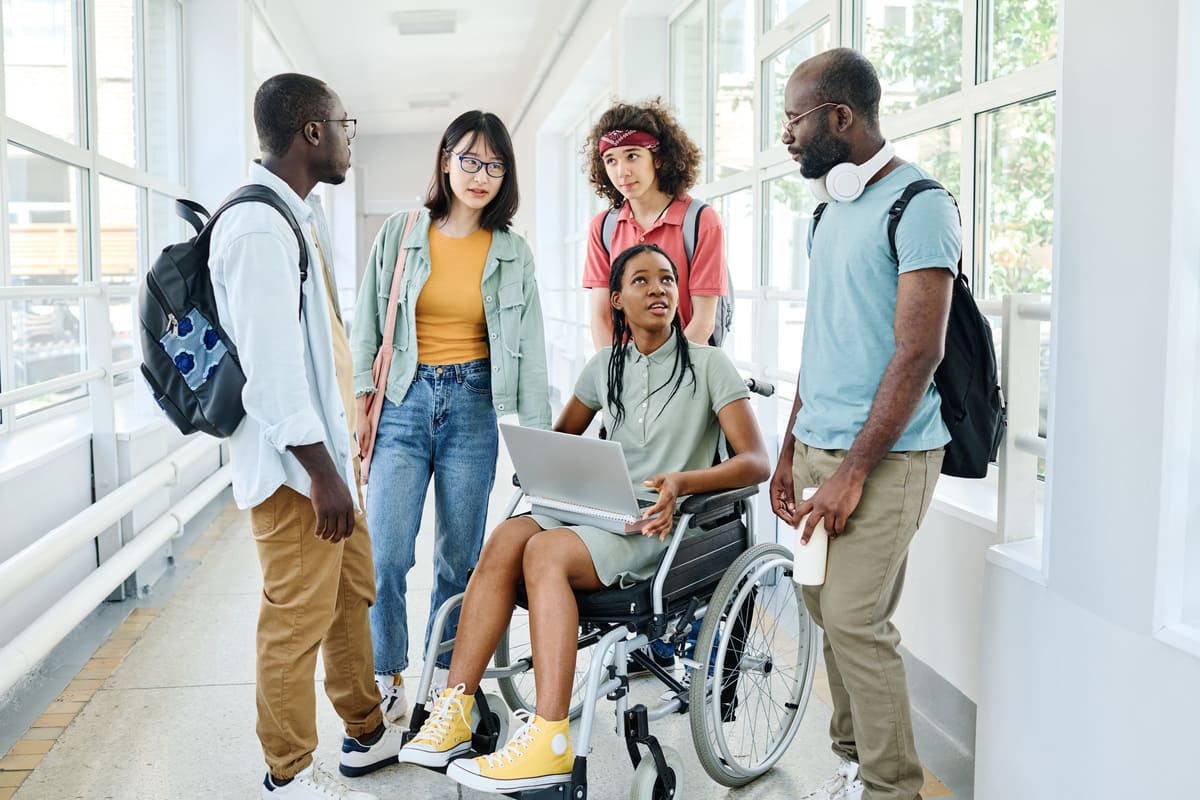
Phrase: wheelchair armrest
[699,503]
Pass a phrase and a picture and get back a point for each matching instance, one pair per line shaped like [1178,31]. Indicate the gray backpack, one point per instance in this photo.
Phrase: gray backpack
[691,230]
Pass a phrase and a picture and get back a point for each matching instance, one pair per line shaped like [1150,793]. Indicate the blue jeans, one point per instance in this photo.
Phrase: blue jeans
[446,427]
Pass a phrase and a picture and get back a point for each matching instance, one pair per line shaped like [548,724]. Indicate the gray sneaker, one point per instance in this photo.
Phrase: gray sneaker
[312,783]
[844,785]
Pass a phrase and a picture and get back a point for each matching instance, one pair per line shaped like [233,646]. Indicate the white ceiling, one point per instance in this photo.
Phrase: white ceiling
[488,62]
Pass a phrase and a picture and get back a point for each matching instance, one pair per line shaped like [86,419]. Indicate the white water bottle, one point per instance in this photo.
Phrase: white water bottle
[808,560]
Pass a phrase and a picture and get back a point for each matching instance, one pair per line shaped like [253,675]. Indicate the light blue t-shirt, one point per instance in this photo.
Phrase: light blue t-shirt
[848,329]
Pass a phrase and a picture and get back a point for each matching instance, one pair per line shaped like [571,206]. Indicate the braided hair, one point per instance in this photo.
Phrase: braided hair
[622,337]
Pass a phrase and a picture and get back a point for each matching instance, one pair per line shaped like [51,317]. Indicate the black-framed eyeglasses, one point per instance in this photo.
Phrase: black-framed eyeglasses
[471,164]
[788,123]
[350,124]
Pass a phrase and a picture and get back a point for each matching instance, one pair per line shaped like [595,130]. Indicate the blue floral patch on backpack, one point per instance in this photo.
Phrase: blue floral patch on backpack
[195,347]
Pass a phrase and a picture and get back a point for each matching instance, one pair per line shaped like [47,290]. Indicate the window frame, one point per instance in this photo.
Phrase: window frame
[93,167]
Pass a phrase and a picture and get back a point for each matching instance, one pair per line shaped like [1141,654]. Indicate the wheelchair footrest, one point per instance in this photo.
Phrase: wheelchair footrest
[576,789]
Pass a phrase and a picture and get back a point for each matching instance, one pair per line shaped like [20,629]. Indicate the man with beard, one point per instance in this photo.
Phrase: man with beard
[293,463]
[866,427]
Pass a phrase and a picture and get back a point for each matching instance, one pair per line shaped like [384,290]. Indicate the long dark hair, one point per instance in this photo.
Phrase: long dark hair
[466,129]
[622,336]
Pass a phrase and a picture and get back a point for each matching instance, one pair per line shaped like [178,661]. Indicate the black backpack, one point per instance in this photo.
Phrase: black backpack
[967,379]
[188,360]
[691,232]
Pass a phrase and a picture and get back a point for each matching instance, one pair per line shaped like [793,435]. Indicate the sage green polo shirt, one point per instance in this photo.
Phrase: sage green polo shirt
[661,432]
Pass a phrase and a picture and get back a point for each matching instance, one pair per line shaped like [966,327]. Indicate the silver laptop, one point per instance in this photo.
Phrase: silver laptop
[576,479]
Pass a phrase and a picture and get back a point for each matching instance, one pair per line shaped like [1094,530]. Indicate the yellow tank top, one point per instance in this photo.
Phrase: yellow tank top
[451,327]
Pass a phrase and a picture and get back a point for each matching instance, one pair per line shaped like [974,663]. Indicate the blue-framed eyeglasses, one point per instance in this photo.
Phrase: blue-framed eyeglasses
[471,164]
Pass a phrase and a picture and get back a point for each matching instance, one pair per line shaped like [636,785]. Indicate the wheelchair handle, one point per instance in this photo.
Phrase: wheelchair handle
[760,387]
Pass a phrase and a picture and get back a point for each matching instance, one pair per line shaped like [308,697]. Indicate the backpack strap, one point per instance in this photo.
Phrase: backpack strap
[607,229]
[691,228]
[812,226]
[257,193]
[897,211]
[192,213]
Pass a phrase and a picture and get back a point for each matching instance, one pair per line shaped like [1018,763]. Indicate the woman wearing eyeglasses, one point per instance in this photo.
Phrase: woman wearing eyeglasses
[468,346]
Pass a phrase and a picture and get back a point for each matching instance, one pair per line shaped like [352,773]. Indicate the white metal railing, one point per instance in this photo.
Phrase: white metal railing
[117,559]
[21,655]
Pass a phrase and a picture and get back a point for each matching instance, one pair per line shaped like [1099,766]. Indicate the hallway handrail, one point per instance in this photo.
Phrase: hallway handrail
[33,644]
[34,562]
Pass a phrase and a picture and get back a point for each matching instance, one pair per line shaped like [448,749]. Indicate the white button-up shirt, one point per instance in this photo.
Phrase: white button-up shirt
[291,394]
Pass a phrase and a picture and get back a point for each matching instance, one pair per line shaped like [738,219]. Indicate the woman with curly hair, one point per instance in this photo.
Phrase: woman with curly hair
[643,163]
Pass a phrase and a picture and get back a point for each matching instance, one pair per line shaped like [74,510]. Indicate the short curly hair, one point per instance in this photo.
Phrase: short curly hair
[678,156]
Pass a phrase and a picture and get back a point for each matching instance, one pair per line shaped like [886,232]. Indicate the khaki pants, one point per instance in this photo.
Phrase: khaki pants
[315,595]
[872,719]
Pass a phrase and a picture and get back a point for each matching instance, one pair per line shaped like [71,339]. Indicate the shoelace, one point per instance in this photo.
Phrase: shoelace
[441,719]
[518,744]
[329,785]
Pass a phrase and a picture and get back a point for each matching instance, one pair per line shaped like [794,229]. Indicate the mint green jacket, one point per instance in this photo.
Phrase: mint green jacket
[510,303]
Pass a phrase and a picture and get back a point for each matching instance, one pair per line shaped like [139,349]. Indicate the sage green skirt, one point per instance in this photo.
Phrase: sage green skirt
[619,560]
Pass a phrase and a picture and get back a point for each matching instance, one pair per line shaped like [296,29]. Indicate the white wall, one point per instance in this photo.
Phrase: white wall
[1077,698]
[395,170]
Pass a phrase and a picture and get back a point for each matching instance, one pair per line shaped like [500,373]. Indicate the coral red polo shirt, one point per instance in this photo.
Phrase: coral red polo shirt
[707,274]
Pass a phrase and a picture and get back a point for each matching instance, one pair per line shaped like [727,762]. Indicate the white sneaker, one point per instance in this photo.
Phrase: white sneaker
[844,785]
[312,783]
[394,704]
[359,758]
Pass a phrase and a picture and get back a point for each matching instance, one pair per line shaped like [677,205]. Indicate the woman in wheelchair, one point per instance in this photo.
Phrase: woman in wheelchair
[666,401]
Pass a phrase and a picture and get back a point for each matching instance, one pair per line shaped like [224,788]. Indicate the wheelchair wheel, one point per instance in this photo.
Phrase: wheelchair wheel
[498,707]
[646,783]
[759,644]
[519,690]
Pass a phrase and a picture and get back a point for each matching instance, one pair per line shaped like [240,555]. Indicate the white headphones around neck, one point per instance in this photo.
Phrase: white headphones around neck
[845,182]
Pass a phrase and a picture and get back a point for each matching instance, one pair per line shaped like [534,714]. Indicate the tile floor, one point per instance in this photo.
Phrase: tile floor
[164,710]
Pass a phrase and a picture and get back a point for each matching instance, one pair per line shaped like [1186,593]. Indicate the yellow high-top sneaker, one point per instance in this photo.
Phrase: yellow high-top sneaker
[539,754]
[446,734]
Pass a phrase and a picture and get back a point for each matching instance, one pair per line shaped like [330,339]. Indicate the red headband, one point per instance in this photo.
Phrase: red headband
[628,139]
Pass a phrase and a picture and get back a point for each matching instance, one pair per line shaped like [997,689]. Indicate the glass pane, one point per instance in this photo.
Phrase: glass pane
[776,11]
[44,250]
[737,218]
[776,71]
[1021,33]
[115,72]
[47,343]
[789,204]
[43,217]
[1017,143]
[164,114]
[687,73]
[791,335]
[40,65]
[914,67]
[165,226]
[937,151]
[733,134]
[118,231]
[741,345]
[121,317]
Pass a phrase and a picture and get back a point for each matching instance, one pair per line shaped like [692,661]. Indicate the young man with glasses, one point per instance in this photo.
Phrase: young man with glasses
[865,427]
[294,463]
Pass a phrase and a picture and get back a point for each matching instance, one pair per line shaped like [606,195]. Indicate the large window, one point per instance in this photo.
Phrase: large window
[90,142]
[968,95]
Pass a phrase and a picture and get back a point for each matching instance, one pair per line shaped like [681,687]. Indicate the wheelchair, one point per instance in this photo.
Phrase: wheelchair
[751,668]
